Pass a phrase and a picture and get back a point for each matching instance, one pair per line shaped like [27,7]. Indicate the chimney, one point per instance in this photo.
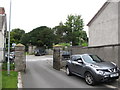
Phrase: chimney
[2,10]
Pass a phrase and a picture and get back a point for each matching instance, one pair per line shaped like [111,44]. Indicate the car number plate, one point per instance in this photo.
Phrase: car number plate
[114,75]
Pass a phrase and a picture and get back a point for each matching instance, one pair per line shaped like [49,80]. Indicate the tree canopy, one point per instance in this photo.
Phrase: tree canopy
[75,25]
[15,35]
[60,33]
[69,32]
[41,37]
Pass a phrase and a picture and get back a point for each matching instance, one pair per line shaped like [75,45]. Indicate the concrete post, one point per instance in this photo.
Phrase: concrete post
[20,58]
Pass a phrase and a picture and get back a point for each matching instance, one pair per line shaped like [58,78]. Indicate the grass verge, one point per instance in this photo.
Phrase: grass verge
[9,81]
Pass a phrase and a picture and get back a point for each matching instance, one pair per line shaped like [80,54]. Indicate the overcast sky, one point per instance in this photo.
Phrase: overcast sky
[29,14]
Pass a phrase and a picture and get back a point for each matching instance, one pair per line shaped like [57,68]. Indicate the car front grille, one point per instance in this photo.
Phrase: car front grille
[112,70]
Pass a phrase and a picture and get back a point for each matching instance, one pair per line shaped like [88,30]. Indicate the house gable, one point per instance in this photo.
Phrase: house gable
[103,27]
[98,13]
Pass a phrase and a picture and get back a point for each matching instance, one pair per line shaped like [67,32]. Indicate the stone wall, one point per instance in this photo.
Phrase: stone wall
[106,52]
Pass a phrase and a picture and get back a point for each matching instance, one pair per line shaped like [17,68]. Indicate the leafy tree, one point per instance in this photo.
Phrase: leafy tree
[60,33]
[75,31]
[25,39]
[15,35]
[83,38]
[40,37]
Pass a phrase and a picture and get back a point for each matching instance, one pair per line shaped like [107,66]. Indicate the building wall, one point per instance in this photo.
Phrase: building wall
[104,29]
[1,46]
[2,33]
[1,38]
[1,23]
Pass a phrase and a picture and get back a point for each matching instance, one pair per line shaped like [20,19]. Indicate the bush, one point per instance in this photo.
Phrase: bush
[4,66]
[65,44]
[84,44]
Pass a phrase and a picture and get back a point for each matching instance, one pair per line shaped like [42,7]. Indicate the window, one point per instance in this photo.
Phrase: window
[96,58]
[73,58]
[76,58]
[91,59]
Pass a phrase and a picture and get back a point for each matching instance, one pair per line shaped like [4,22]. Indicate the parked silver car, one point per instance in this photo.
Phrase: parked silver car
[92,68]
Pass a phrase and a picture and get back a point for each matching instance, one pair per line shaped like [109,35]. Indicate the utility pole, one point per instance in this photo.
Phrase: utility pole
[8,63]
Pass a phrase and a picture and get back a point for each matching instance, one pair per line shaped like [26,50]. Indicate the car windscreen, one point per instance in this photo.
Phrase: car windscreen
[92,59]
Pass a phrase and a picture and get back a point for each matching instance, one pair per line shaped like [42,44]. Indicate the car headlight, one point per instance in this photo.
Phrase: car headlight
[113,63]
[100,72]
[95,66]
[118,69]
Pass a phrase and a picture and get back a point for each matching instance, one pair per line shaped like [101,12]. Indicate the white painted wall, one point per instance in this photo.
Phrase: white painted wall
[119,22]
[1,46]
[2,29]
[104,29]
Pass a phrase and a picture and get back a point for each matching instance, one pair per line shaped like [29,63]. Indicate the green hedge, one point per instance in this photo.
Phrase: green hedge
[4,66]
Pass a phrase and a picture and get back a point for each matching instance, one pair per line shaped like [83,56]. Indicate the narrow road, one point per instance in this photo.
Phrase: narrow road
[40,74]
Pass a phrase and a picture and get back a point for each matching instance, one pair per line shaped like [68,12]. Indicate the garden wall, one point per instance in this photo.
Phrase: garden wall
[106,52]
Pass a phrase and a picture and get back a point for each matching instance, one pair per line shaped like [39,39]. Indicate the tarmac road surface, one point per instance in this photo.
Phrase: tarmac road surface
[40,74]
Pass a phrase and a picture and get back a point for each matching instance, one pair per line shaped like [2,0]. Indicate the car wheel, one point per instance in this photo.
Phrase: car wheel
[89,79]
[68,71]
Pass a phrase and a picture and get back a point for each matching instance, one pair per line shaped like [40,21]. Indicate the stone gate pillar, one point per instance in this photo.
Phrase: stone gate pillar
[20,58]
[56,58]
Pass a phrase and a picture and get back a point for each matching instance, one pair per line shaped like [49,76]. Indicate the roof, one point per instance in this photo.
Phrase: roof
[98,13]
[19,45]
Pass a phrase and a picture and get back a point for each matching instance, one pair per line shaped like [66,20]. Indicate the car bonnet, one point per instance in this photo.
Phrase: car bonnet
[104,65]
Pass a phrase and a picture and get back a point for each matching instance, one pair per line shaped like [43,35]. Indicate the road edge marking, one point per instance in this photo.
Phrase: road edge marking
[110,86]
[20,83]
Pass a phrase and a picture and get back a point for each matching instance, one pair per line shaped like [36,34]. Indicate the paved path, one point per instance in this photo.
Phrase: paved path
[40,74]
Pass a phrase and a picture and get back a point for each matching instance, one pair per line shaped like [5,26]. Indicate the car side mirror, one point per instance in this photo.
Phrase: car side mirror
[80,61]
